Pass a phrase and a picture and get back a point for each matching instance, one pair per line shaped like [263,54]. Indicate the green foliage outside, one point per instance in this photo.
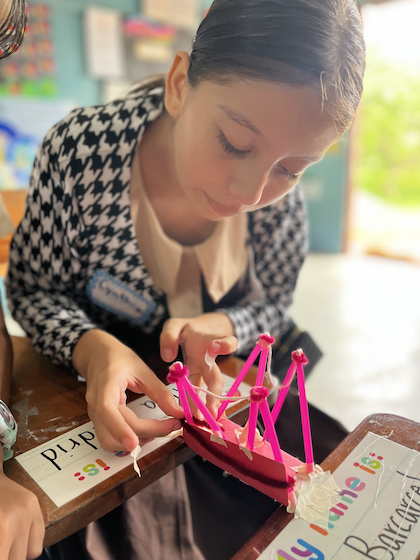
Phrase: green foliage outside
[387,134]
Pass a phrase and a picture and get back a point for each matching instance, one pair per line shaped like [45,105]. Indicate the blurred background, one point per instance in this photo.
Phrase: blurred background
[358,294]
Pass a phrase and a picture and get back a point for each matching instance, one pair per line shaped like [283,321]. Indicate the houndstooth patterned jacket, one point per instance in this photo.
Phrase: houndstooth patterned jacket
[74,262]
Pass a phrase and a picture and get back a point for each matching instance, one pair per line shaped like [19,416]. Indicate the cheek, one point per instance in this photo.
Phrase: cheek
[198,163]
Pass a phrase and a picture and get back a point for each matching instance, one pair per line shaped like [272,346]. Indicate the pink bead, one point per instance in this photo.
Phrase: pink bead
[266,340]
[176,372]
[258,394]
[299,357]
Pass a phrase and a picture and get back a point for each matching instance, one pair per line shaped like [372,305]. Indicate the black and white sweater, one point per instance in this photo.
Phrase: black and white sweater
[74,261]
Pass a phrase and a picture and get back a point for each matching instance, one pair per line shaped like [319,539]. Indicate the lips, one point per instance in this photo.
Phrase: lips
[220,209]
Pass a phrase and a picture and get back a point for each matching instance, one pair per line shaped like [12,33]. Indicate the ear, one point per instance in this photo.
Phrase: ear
[176,84]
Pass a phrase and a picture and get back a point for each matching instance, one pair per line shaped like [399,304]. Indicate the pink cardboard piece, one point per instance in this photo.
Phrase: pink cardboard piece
[258,468]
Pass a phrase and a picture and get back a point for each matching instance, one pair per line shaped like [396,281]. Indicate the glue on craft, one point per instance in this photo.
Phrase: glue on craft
[257,461]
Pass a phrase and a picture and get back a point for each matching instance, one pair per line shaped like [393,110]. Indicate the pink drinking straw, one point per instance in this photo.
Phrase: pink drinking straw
[269,427]
[253,409]
[264,342]
[300,359]
[282,393]
[178,373]
[239,379]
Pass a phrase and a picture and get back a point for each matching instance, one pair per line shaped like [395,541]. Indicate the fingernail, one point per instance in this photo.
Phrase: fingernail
[128,446]
[217,346]
[167,355]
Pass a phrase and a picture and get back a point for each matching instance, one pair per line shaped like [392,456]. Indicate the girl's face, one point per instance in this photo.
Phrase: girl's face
[241,146]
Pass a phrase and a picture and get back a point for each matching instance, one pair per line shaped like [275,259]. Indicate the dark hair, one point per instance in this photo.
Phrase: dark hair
[291,41]
[13,27]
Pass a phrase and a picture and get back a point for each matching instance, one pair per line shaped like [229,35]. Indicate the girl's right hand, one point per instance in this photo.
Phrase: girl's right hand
[110,368]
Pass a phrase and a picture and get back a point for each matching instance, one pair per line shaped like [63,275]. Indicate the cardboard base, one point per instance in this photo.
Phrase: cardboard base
[257,468]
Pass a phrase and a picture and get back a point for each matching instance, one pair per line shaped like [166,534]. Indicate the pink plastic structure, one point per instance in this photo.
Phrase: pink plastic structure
[262,465]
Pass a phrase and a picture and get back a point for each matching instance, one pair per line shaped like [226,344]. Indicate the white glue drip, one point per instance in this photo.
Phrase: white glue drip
[135,453]
[209,360]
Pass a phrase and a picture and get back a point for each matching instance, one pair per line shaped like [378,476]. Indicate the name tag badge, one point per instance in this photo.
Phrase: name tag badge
[114,296]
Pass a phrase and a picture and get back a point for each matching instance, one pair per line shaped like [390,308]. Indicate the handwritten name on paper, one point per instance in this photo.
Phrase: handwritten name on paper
[376,515]
[74,462]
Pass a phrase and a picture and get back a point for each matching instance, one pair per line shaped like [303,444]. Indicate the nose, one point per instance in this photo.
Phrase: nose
[249,189]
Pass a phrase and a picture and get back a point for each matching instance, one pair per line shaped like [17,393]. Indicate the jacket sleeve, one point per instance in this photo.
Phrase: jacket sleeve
[44,268]
[278,242]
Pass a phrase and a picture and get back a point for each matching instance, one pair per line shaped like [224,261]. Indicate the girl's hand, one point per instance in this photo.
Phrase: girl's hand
[211,333]
[110,368]
[22,525]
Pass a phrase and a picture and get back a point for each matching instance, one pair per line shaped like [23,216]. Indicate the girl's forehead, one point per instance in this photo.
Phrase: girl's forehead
[270,111]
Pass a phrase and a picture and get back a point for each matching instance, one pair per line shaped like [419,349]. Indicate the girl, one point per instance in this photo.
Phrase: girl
[171,218]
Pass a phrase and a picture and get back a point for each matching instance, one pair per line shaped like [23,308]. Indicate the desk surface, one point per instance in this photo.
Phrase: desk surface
[42,392]
[405,432]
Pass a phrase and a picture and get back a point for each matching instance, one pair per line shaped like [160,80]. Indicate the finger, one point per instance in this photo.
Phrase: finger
[111,429]
[159,393]
[214,381]
[223,346]
[115,436]
[169,339]
[150,428]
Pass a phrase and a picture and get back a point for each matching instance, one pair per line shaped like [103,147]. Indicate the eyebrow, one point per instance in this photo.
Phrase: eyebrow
[240,119]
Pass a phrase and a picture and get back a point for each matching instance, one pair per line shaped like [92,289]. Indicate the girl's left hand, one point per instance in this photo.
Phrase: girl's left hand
[211,333]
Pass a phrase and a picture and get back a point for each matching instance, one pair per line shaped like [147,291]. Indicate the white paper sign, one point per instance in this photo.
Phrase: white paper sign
[377,515]
[74,462]
[104,45]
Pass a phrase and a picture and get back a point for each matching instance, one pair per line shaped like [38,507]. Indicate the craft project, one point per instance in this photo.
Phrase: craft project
[257,460]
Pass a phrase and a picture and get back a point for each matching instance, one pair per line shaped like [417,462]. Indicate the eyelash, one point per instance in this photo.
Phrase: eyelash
[229,149]
[283,171]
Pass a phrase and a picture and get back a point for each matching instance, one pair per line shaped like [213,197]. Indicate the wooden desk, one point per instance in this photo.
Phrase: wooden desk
[42,392]
[406,432]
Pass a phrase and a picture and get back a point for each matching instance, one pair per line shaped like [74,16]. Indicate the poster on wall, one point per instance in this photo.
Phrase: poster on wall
[23,125]
[104,47]
[31,71]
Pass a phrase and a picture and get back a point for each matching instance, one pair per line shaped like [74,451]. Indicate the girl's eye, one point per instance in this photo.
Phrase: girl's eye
[283,171]
[229,149]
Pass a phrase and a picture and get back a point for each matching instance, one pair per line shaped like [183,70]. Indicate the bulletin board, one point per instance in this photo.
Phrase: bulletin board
[31,71]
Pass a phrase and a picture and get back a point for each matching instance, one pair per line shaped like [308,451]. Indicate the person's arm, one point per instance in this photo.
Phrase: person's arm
[45,283]
[22,526]
[279,243]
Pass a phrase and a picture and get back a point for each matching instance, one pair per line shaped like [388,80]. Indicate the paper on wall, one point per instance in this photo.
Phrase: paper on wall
[104,47]
[69,465]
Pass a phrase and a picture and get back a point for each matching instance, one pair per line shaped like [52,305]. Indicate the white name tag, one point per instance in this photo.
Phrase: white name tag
[114,296]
